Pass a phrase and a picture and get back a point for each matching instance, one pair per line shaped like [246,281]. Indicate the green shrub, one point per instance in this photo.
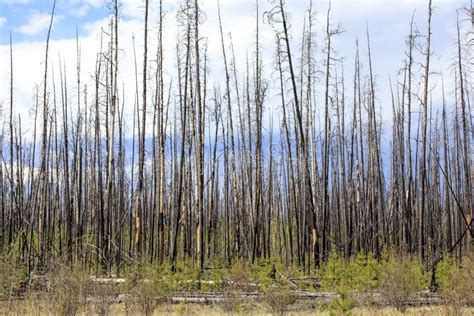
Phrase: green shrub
[343,303]
[456,282]
[402,282]
[362,273]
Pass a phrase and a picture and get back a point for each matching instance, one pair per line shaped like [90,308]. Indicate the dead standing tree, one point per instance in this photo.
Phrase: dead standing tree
[232,197]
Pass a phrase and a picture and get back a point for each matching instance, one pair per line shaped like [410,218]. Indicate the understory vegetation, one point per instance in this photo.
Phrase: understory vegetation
[269,286]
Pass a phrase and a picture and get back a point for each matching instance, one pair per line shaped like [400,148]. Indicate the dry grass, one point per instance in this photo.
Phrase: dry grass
[146,290]
[9,284]
[32,308]
[238,281]
[66,289]
[279,300]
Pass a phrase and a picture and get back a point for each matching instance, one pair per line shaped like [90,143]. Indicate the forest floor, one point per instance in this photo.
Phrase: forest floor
[280,302]
[362,286]
[29,307]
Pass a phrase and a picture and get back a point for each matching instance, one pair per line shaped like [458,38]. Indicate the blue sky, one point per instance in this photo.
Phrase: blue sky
[28,19]
[388,22]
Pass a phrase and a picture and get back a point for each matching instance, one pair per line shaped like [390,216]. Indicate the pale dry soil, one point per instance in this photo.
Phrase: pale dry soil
[38,308]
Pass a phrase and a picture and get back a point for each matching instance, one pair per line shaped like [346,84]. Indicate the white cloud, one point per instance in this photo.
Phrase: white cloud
[80,8]
[132,9]
[37,23]
[95,3]
[80,11]
[3,21]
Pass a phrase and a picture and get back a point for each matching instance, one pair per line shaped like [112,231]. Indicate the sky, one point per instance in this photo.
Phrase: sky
[387,20]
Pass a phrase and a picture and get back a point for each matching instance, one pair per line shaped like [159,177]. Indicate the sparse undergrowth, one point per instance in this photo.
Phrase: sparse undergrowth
[271,286]
[403,281]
